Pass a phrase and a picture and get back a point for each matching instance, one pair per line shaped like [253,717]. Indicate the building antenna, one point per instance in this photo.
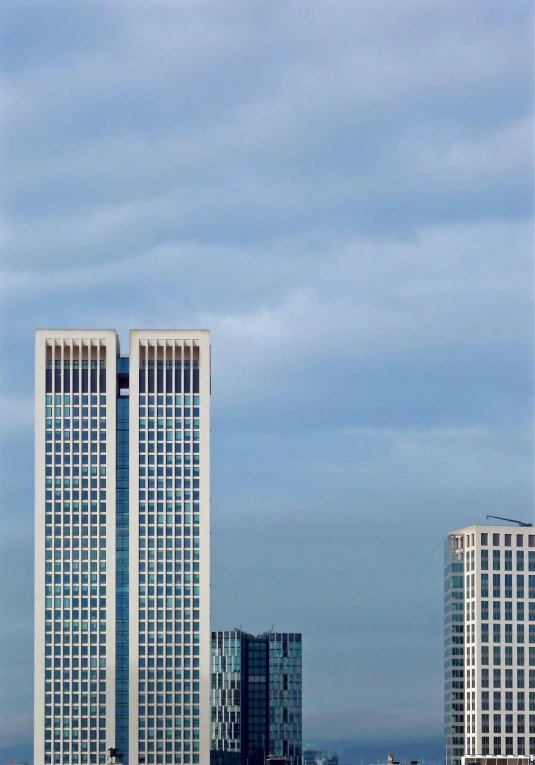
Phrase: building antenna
[510,520]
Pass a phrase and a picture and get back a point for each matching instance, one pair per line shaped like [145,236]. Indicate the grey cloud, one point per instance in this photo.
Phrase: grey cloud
[408,274]
[364,136]
[425,312]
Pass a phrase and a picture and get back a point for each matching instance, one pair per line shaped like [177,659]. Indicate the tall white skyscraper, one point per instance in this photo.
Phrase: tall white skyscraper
[122,547]
[489,642]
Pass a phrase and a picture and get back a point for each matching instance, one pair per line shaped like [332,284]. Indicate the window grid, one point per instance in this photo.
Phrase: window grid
[169,513]
[75,558]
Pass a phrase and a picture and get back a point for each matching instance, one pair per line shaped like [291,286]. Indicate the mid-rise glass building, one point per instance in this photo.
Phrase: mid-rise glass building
[122,547]
[256,697]
[489,642]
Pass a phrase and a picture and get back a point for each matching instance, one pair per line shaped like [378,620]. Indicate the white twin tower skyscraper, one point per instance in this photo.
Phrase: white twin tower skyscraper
[122,547]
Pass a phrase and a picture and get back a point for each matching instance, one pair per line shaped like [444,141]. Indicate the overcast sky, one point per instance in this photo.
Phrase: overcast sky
[342,192]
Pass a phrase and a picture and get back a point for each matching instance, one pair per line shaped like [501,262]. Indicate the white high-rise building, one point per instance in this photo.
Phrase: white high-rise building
[489,642]
[122,547]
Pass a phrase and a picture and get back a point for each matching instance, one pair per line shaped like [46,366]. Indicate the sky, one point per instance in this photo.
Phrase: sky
[342,192]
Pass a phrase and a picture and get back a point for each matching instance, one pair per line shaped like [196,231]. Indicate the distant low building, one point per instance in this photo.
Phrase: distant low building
[319,757]
[391,761]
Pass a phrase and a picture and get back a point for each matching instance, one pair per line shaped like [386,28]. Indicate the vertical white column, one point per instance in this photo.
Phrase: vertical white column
[39,563]
[203,340]
[111,352]
[134,546]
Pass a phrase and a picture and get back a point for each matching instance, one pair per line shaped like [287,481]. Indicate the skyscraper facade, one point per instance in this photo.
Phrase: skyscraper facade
[489,642]
[122,547]
[256,697]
